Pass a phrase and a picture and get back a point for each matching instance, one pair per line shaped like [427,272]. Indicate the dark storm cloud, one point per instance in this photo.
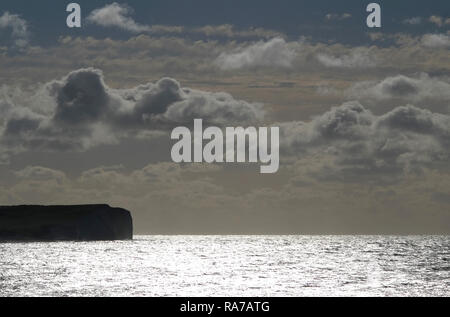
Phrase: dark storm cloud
[80,111]
[81,98]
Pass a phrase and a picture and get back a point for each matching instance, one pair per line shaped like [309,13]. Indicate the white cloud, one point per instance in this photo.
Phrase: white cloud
[436,40]
[273,53]
[438,20]
[81,112]
[227,30]
[18,26]
[360,142]
[116,15]
[357,58]
[412,89]
[120,16]
[413,21]
[337,17]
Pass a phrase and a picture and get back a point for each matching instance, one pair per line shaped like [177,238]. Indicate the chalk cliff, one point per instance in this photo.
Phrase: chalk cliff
[65,223]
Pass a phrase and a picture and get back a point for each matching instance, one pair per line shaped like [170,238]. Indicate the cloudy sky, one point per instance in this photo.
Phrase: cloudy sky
[364,114]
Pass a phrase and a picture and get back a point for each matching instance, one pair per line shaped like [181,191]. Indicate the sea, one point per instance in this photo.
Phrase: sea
[261,266]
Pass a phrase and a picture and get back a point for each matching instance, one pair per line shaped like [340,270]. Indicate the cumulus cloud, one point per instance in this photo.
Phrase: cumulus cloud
[357,58]
[436,40]
[412,89]
[360,142]
[80,111]
[18,26]
[120,16]
[273,53]
[116,15]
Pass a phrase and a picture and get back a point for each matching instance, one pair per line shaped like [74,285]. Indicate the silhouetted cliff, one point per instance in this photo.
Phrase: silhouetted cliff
[65,223]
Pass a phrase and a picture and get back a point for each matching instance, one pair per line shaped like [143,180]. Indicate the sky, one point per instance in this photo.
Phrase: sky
[364,115]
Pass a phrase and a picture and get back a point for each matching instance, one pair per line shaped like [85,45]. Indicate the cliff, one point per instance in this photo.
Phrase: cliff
[65,223]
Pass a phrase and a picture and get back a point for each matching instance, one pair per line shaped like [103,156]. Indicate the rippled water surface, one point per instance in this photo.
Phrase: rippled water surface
[230,266]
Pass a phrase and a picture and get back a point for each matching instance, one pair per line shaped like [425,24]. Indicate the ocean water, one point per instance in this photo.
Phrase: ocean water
[230,266]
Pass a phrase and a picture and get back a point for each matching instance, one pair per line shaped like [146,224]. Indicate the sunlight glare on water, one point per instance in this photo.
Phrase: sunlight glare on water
[230,266]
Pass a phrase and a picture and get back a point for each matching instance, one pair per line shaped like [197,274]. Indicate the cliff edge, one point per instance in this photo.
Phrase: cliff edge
[65,223]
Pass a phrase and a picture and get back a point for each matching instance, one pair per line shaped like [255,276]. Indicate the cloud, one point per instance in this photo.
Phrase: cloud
[357,58]
[413,21]
[221,31]
[180,56]
[166,198]
[116,15]
[347,145]
[164,186]
[413,89]
[337,17]
[361,143]
[80,111]
[434,19]
[39,173]
[273,53]
[119,16]
[230,31]
[436,40]
[438,20]
[18,26]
